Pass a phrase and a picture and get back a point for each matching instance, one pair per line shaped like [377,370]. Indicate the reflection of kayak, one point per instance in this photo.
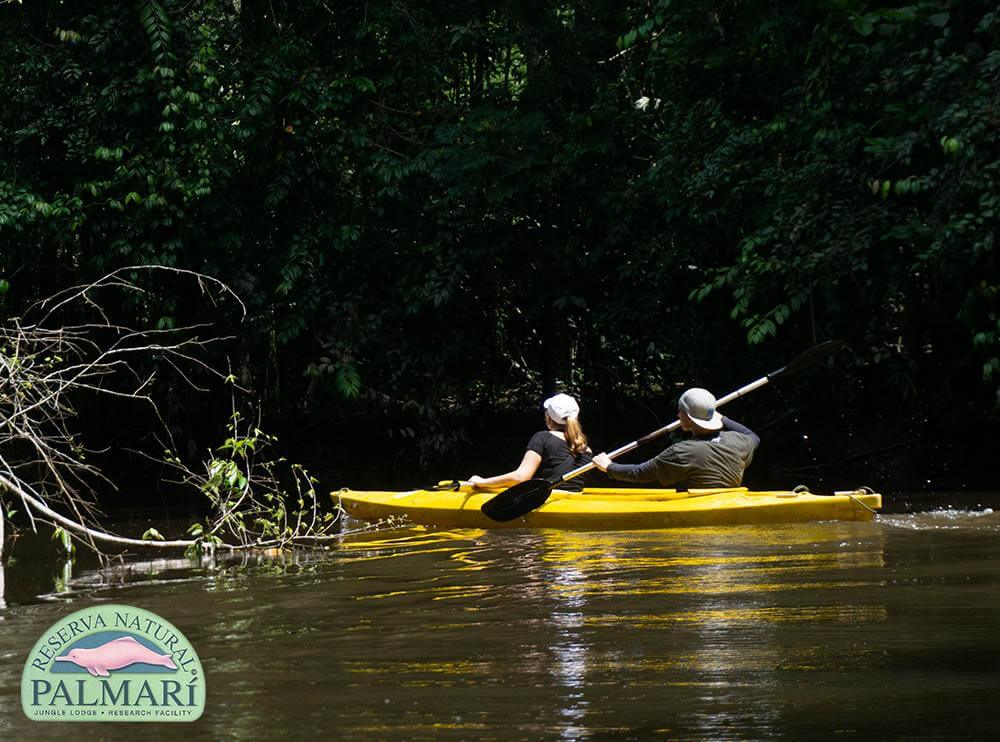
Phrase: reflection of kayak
[616,509]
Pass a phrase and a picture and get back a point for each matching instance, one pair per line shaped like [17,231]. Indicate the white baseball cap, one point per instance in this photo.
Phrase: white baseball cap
[561,408]
[699,405]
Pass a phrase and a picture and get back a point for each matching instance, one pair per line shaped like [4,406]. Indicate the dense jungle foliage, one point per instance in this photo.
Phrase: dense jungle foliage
[437,212]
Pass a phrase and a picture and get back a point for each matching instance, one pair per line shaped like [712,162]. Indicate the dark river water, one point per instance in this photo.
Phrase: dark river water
[881,629]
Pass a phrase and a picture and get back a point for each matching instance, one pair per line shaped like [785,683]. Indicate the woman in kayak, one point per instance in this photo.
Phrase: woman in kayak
[550,453]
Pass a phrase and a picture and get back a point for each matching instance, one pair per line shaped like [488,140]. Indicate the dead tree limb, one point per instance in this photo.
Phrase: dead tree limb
[72,345]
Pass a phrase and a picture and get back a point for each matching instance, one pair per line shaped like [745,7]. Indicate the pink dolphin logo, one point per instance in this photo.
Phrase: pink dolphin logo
[114,655]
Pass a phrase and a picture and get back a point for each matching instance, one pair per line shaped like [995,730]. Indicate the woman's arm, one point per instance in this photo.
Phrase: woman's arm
[529,465]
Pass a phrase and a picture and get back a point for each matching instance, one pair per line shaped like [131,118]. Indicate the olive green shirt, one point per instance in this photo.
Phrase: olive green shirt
[697,463]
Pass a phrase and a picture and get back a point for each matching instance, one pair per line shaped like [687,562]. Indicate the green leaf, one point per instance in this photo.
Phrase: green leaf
[348,381]
[879,145]
[152,534]
[62,536]
[863,25]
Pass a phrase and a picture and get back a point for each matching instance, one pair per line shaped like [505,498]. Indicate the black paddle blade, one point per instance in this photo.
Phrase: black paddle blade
[815,354]
[518,500]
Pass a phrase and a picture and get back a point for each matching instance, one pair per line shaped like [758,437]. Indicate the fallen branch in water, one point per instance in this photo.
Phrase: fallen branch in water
[39,509]
[257,501]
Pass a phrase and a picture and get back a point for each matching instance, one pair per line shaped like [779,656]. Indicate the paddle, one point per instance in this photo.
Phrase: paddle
[522,498]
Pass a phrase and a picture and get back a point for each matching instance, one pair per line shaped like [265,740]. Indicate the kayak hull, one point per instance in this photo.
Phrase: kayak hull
[611,509]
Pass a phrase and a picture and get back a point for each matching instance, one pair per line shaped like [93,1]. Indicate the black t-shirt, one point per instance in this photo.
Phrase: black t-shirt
[557,459]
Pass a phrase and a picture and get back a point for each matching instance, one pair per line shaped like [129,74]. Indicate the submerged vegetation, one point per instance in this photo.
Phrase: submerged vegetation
[438,211]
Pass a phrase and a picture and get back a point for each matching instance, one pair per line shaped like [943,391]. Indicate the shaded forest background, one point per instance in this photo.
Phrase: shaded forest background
[438,213]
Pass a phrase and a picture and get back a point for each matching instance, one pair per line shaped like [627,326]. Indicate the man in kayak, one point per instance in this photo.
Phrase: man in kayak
[716,454]
[550,453]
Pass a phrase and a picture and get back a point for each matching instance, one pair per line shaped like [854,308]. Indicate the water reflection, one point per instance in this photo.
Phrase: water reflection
[727,579]
[718,633]
[569,668]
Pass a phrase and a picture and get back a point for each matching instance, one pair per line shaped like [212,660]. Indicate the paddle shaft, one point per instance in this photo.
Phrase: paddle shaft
[665,429]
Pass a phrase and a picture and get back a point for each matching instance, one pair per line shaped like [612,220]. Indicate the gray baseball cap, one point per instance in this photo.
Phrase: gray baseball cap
[699,405]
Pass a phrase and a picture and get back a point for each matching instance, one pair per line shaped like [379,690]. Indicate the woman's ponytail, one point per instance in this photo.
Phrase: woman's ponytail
[575,438]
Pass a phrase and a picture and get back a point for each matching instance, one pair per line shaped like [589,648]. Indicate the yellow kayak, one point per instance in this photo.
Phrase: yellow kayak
[612,509]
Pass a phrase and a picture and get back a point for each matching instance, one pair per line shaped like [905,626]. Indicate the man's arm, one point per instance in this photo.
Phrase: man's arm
[730,424]
[644,472]
[662,469]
